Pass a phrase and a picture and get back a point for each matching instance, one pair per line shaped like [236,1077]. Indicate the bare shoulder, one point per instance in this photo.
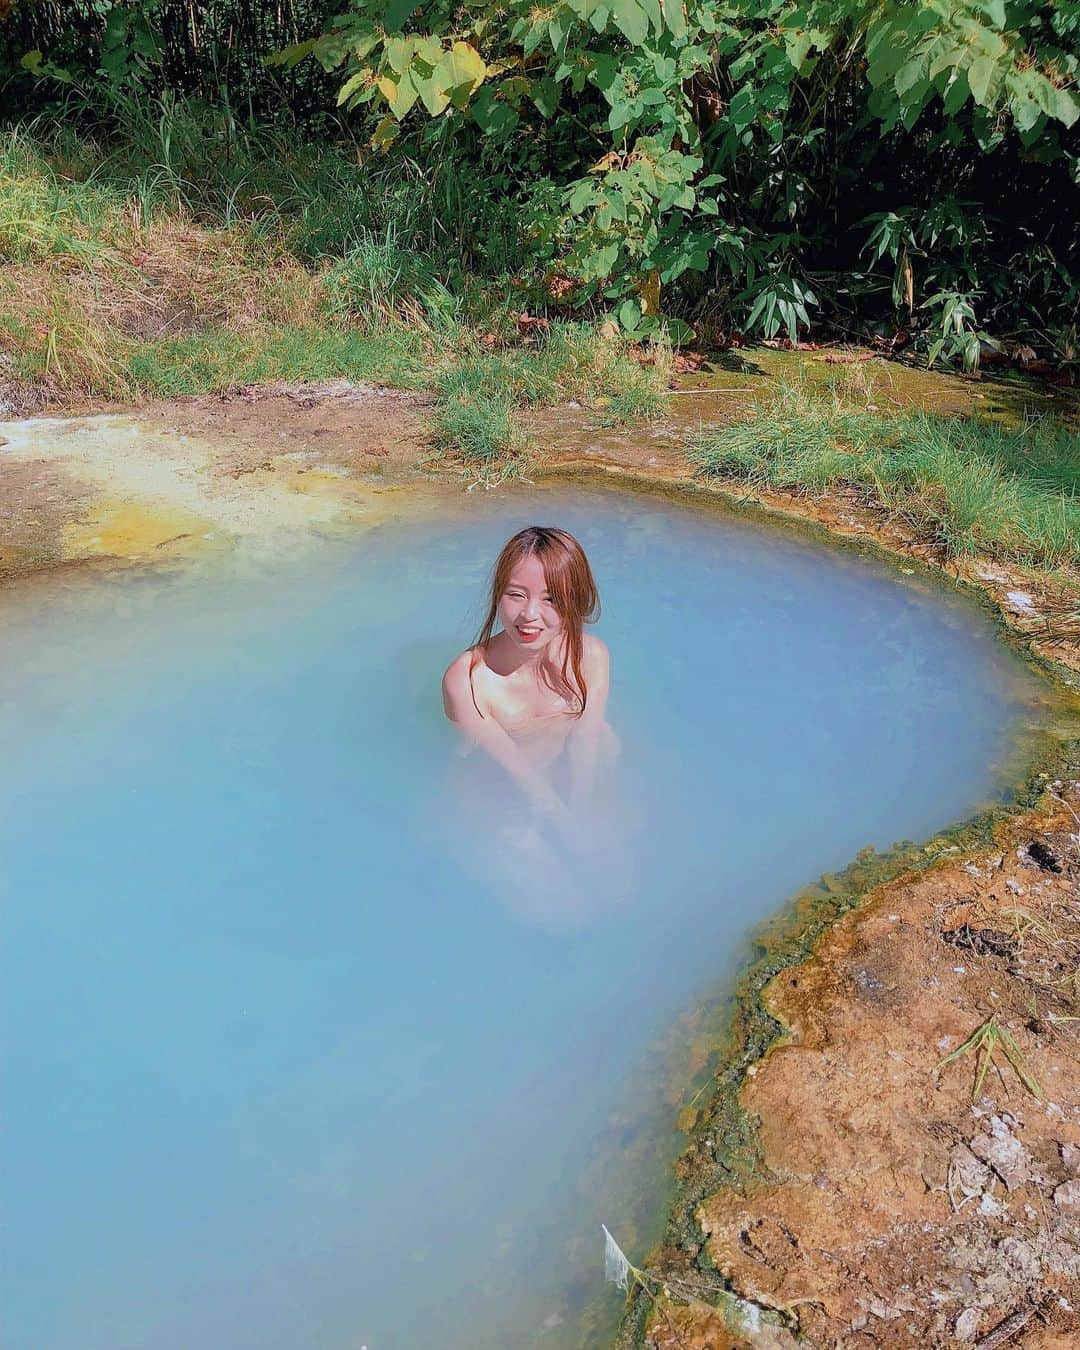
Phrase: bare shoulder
[594,654]
[457,685]
[457,670]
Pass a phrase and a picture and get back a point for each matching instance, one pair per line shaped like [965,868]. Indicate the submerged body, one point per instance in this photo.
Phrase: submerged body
[539,686]
[533,698]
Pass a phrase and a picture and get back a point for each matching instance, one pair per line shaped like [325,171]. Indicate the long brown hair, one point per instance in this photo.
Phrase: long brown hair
[573,592]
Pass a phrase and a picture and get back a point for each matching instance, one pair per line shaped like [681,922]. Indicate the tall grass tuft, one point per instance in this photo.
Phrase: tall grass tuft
[973,485]
[483,428]
[184,256]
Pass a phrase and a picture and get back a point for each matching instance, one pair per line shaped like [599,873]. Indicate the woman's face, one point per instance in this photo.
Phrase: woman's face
[526,613]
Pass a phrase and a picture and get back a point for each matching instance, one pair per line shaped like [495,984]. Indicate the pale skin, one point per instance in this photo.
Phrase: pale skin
[510,692]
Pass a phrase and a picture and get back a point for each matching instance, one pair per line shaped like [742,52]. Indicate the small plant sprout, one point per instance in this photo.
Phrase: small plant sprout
[983,1042]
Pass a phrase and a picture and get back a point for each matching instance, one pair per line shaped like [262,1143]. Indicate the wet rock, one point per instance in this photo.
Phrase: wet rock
[967,1324]
[1004,1153]
[1067,1196]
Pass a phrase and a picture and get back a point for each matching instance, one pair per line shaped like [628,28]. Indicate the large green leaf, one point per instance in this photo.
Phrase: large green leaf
[400,94]
[492,115]
[352,85]
[981,76]
[397,13]
[433,95]
[461,71]
[631,20]
[675,17]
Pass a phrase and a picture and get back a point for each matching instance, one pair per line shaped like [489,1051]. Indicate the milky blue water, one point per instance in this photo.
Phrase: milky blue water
[287,1060]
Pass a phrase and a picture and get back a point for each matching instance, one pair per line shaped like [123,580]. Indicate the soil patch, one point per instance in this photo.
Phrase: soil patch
[897,1199]
[202,473]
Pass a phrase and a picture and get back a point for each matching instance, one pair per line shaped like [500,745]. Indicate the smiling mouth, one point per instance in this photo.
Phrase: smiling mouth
[529,634]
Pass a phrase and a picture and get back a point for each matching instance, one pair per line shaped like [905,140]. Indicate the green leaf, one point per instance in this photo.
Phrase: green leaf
[886,62]
[460,72]
[956,95]
[1066,109]
[675,17]
[994,11]
[399,53]
[581,194]
[428,48]
[917,98]
[534,37]
[1026,113]
[385,134]
[980,76]
[397,13]
[606,258]
[1055,102]
[629,315]
[545,95]
[492,115]
[399,94]
[910,74]
[432,94]
[631,20]
[654,14]
[948,57]
[622,113]
[797,47]
[351,85]
[288,56]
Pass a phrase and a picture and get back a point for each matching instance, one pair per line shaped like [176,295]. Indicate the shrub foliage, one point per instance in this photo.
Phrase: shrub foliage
[763,163]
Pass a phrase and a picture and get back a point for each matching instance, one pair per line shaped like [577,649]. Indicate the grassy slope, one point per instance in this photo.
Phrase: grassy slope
[167,268]
[972,486]
[125,279]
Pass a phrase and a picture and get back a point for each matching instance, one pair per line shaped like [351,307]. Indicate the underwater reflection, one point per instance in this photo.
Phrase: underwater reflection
[549,876]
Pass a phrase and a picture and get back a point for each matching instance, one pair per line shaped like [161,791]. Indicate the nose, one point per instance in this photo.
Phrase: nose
[531,609]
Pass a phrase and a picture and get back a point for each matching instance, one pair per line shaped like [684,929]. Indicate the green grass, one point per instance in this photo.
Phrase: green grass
[484,397]
[982,1043]
[974,486]
[170,262]
[206,362]
[484,429]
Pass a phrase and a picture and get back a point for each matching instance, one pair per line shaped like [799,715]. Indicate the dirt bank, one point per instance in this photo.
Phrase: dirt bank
[191,475]
[843,1185]
[885,1201]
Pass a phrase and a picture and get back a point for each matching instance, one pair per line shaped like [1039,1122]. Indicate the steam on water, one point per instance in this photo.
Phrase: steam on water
[308,1038]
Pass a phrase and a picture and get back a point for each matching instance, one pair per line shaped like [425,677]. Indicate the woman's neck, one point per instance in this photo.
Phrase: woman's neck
[515,660]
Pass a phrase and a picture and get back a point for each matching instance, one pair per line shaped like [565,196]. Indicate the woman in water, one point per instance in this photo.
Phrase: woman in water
[533,695]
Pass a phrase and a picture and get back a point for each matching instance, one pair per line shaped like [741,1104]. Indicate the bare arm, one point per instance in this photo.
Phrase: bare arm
[491,738]
[584,743]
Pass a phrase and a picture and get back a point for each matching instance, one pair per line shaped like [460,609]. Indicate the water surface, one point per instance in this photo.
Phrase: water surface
[282,1068]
